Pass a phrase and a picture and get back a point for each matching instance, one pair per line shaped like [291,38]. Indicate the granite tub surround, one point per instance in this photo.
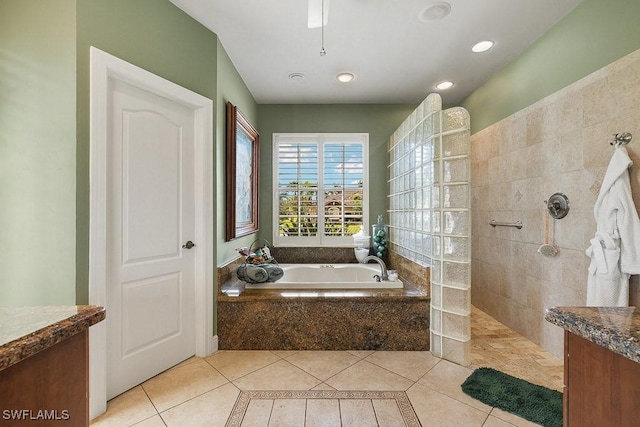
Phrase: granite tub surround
[227,272]
[234,288]
[414,274]
[614,328]
[303,323]
[384,319]
[25,331]
[313,255]
[367,319]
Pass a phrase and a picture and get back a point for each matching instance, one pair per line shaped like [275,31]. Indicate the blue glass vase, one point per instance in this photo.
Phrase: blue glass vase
[380,237]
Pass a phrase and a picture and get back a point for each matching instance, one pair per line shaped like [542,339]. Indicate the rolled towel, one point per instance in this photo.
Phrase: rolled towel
[256,274]
[241,272]
[275,272]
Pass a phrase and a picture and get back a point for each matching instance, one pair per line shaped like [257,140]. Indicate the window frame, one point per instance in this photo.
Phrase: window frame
[318,139]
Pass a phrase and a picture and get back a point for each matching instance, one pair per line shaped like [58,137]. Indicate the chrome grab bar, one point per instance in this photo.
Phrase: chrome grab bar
[517,224]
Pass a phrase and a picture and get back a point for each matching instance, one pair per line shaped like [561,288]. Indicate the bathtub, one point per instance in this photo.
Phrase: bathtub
[328,276]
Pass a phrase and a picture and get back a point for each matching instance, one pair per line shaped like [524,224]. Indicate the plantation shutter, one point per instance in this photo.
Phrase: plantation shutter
[320,184]
[298,183]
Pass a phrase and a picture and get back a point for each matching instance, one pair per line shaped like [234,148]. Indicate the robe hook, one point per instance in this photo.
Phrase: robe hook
[621,139]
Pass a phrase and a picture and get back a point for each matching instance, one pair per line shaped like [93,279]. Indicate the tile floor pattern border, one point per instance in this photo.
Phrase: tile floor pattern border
[203,391]
[402,400]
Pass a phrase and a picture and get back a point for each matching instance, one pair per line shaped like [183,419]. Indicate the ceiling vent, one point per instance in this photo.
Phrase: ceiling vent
[435,11]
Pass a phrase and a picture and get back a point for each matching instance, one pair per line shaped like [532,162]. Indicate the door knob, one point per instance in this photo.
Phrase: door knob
[188,245]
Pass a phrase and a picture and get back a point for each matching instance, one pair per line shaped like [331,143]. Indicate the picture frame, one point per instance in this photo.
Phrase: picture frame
[242,175]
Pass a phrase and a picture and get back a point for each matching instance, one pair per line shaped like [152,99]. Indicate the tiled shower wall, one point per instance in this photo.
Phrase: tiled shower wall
[559,144]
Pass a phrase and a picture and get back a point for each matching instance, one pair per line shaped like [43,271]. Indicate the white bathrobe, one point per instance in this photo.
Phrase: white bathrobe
[615,249]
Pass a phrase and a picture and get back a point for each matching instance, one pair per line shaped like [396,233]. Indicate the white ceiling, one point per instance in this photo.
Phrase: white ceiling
[395,57]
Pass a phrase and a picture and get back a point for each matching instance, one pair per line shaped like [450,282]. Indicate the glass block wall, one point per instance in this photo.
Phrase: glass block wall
[430,215]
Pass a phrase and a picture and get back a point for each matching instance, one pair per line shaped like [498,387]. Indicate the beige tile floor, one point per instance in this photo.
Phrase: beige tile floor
[203,391]
[496,346]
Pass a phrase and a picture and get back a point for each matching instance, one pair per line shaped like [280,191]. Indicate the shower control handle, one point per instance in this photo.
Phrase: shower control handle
[558,205]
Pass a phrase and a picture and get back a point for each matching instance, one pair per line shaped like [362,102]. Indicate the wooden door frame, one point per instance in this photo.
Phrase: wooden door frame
[105,68]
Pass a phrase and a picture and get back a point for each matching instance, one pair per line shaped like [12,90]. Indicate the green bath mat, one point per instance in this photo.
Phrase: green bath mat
[530,401]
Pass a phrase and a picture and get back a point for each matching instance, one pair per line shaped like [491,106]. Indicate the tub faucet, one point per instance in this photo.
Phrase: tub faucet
[383,267]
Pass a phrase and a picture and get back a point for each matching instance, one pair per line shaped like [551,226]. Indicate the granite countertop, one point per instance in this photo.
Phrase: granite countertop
[25,331]
[614,328]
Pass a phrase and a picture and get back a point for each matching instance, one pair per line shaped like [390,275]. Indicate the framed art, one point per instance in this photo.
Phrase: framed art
[242,174]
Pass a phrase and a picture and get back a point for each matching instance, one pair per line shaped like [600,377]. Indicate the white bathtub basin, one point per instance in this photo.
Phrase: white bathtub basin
[328,276]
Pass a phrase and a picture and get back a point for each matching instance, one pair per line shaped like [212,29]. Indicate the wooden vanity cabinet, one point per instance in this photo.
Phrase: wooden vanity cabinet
[49,388]
[602,388]
[44,365]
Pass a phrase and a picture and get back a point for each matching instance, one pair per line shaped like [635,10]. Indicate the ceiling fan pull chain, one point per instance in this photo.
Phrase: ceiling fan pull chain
[322,51]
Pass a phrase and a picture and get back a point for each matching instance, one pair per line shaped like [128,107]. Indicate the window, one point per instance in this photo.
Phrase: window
[321,186]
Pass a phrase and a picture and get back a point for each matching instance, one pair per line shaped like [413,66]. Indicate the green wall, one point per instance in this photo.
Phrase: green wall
[594,34]
[154,35]
[44,116]
[380,121]
[230,88]
[44,126]
[37,152]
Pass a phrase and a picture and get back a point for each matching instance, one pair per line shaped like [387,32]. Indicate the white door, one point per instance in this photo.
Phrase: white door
[150,266]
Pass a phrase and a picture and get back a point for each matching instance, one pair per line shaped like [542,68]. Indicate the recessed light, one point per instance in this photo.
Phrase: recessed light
[296,77]
[482,46]
[345,77]
[435,11]
[444,85]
